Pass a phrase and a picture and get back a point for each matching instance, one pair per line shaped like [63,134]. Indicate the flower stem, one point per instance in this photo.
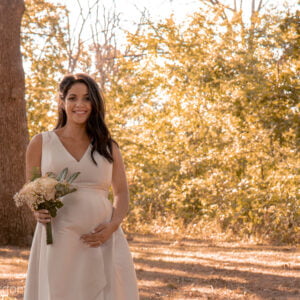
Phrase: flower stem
[49,233]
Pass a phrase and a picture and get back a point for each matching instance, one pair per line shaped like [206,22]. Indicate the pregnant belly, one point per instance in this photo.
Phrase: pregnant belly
[83,210]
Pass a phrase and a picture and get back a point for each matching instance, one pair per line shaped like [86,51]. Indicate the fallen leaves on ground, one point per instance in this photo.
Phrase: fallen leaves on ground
[189,269]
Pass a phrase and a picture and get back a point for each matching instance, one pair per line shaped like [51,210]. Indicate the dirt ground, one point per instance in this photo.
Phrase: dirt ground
[189,269]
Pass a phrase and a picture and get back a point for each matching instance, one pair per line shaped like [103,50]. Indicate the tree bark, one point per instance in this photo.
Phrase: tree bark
[16,224]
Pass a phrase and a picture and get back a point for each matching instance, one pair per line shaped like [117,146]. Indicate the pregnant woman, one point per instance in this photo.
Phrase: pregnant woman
[89,258]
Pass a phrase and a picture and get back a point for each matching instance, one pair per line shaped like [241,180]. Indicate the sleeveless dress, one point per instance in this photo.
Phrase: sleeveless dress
[68,269]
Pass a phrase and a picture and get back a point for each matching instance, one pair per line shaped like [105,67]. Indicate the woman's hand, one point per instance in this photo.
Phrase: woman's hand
[99,235]
[42,216]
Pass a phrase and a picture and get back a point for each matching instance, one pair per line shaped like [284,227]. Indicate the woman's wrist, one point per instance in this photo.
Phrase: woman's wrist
[114,224]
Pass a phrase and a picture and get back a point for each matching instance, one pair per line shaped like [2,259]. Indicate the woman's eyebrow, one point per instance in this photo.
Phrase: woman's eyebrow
[76,95]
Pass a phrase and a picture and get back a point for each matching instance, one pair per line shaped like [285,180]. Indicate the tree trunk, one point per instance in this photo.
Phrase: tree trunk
[16,224]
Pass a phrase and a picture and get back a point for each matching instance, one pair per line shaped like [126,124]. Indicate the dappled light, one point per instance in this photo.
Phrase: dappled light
[195,269]
[205,110]
[13,262]
[191,269]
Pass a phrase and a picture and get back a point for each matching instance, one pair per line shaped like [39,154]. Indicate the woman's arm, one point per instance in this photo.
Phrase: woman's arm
[120,189]
[33,166]
[33,156]
[120,206]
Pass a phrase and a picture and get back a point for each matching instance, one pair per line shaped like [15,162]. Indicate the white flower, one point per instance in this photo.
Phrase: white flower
[35,192]
[45,189]
[45,186]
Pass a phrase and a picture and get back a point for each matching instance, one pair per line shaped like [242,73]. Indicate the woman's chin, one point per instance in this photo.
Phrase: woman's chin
[79,119]
[78,122]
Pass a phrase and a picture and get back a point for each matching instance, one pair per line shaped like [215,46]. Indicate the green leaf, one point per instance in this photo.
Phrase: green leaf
[36,173]
[51,174]
[62,174]
[73,177]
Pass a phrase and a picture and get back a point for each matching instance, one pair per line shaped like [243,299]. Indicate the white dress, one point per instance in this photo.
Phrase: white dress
[68,269]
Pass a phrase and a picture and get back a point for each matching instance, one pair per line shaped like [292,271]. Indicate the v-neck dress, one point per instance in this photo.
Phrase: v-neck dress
[68,269]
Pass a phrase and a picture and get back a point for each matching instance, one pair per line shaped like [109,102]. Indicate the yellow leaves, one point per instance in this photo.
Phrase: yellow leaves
[206,115]
[44,47]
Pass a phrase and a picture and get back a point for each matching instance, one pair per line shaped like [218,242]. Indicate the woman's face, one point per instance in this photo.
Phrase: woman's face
[77,104]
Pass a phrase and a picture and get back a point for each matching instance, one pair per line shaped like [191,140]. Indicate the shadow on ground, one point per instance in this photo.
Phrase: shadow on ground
[189,269]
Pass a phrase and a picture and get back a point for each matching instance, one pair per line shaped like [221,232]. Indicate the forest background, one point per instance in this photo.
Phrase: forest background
[206,110]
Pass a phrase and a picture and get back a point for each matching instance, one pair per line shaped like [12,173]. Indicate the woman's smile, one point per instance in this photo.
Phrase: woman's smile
[80,112]
[77,103]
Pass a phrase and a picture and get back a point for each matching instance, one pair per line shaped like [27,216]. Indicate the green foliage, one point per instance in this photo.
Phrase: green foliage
[207,116]
[44,48]
[51,206]
[218,138]
[35,173]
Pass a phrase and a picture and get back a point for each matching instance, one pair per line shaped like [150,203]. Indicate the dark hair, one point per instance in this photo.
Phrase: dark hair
[96,128]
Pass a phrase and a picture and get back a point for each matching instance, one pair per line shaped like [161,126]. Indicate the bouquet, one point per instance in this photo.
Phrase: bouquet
[43,192]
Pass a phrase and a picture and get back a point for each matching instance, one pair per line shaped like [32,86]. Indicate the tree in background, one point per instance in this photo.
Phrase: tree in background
[17,225]
[206,113]
[44,46]
[222,122]
[53,47]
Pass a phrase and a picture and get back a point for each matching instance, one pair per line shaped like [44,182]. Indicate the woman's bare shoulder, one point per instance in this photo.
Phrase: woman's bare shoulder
[36,141]
[34,147]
